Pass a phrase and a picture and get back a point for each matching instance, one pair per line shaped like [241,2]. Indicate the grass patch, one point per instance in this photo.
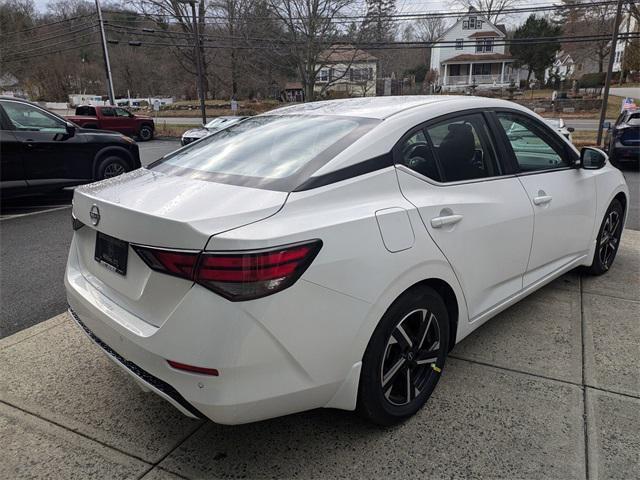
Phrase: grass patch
[166,130]
[584,138]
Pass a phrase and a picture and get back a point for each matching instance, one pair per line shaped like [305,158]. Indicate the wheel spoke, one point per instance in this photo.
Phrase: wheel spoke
[393,372]
[409,385]
[402,338]
[424,328]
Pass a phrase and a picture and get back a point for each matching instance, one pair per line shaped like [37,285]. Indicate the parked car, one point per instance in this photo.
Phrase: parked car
[116,119]
[214,125]
[561,127]
[622,140]
[41,151]
[331,254]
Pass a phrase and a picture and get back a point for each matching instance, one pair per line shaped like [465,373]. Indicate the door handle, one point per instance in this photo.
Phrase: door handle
[542,199]
[438,222]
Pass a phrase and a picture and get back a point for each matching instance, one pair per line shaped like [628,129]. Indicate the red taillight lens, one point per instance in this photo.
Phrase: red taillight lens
[236,276]
[180,264]
[249,275]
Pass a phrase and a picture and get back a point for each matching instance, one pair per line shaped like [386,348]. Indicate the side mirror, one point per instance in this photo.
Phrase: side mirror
[571,129]
[71,129]
[592,158]
[606,125]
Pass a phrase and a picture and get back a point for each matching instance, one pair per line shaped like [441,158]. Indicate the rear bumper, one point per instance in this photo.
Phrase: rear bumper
[145,378]
[623,153]
[272,360]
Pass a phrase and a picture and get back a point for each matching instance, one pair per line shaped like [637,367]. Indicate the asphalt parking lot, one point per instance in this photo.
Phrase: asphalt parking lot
[549,389]
[35,234]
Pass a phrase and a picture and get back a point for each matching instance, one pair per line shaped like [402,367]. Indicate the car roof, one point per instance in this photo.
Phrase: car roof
[384,107]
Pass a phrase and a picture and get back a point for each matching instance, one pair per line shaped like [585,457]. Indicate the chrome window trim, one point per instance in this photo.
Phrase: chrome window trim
[435,183]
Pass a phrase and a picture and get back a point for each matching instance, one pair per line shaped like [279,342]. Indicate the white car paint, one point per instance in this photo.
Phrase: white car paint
[382,232]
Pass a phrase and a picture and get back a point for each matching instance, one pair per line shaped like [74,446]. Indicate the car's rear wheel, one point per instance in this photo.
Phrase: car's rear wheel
[405,357]
[145,133]
[608,239]
[112,166]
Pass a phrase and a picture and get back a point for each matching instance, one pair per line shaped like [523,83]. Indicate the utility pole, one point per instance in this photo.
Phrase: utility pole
[198,54]
[607,82]
[105,53]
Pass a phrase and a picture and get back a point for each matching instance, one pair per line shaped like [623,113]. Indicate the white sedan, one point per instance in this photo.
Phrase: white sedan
[331,254]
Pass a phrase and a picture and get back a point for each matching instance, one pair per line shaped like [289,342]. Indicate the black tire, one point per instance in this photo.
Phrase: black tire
[111,166]
[146,133]
[608,239]
[382,397]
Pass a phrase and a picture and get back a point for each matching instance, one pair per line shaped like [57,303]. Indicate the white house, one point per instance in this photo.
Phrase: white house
[472,52]
[347,69]
[628,25]
[563,67]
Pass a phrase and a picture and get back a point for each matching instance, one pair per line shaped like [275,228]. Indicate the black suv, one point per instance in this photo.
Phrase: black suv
[622,141]
[41,151]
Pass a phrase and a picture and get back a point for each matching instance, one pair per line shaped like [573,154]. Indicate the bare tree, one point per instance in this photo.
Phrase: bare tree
[312,34]
[492,9]
[429,29]
[170,14]
[598,19]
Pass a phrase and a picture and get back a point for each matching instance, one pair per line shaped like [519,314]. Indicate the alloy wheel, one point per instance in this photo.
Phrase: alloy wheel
[609,239]
[410,357]
[113,170]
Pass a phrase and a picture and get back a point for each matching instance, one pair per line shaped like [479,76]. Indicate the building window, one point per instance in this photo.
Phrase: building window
[465,24]
[481,69]
[479,24]
[361,74]
[472,23]
[323,75]
[454,70]
[484,45]
[459,43]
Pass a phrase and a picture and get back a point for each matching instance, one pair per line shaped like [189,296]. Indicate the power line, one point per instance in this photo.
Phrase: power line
[42,25]
[53,44]
[398,16]
[213,37]
[381,46]
[85,26]
[44,54]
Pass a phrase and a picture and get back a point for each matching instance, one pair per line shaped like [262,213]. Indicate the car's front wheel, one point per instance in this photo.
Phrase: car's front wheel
[405,357]
[608,239]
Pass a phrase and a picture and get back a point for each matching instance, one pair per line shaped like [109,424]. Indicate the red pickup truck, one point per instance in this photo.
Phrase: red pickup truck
[114,118]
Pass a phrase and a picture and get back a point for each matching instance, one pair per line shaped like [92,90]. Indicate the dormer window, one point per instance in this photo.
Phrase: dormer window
[472,23]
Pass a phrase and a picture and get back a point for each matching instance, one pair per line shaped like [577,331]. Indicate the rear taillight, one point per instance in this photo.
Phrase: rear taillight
[236,276]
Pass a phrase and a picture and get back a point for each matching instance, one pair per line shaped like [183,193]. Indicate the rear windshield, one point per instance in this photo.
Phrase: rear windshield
[275,152]
[86,111]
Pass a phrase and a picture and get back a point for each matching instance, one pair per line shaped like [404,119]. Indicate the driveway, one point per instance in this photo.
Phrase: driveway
[633,92]
[549,389]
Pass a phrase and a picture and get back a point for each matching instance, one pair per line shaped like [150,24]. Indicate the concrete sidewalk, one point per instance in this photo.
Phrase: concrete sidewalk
[548,389]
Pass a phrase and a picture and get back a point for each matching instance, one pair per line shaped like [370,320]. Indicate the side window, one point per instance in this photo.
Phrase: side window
[417,155]
[531,144]
[121,112]
[462,148]
[27,117]
[108,112]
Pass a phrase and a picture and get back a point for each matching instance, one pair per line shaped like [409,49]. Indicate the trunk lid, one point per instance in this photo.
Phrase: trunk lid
[151,208]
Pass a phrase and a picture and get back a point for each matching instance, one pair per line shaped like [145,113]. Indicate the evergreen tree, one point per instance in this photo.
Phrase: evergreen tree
[378,24]
[536,56]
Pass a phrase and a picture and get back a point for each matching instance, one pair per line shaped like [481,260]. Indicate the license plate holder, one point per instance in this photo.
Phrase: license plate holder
[112,253]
